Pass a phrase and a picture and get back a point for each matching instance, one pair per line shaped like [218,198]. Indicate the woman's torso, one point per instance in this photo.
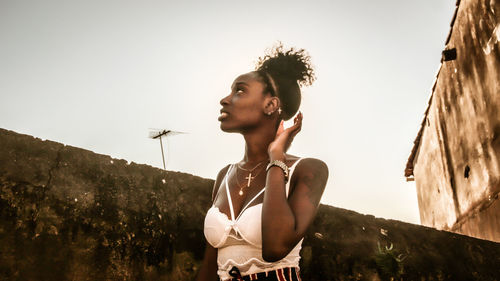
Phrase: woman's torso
[238,237]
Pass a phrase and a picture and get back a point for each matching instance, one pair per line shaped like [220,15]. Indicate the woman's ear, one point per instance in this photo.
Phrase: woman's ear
[272,104]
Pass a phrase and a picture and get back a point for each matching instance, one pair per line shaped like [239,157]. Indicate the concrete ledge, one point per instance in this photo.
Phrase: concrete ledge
[70,214]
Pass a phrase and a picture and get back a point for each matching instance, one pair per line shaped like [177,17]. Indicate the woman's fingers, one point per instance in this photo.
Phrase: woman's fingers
[291,131]
[284,137]
[281,128]
[294,130]
[297,122]
[297,126]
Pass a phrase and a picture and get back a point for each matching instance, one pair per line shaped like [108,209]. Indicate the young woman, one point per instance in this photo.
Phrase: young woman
[263,205]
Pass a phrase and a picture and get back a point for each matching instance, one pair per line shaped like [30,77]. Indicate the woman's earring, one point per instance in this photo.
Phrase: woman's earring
[269,113]
[279,110]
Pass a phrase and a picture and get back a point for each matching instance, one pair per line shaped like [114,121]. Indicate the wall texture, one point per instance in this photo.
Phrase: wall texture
[70,214]
[456,158]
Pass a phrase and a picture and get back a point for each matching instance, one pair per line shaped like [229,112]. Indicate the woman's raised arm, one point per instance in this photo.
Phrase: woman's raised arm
[285,220]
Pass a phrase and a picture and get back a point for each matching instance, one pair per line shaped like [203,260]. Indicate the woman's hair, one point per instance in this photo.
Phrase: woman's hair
[284,72]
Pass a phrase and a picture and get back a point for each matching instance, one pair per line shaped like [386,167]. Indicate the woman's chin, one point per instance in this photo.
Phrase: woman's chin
[228,129]
[225,128]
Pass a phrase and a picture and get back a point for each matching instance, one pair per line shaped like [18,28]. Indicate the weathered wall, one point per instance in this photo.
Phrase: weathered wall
[70,214]
[457,168]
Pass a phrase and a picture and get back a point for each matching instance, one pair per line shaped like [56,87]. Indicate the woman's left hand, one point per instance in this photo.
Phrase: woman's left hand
[284,138]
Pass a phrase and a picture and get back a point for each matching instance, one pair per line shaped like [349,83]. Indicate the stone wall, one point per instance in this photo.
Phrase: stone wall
[457,164]
[70,214]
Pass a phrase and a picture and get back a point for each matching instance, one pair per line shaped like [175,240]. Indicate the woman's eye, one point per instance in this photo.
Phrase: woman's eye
[239,91]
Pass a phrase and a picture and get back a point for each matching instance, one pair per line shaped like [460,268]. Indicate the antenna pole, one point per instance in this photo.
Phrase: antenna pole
[162,155]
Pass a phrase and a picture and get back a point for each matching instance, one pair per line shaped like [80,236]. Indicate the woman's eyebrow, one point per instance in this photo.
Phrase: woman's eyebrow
[239,84]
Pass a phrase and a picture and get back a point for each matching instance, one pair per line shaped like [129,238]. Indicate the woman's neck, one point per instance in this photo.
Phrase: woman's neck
[256,144]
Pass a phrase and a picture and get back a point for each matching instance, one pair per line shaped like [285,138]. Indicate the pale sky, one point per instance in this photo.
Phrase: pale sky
[99,74]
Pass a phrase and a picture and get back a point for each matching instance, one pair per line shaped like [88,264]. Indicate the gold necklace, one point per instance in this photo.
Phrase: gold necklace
[251,170]
[249,178]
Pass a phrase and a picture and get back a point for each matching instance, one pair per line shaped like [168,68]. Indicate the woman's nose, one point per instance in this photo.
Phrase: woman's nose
[225,100]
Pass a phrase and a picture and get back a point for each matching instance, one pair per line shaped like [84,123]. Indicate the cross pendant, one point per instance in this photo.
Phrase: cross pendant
[249,178]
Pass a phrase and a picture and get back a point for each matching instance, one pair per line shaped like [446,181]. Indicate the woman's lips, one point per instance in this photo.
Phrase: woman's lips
[223,115]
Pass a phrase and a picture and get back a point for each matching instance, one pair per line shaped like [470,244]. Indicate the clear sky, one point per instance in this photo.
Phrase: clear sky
[99,74]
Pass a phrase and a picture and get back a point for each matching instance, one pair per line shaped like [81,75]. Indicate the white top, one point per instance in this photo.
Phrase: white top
[239,240]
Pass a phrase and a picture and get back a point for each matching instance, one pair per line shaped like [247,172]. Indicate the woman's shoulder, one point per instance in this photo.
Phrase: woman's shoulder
[218,180]
[310,173]
[308,166]
[306,162]
[222,173]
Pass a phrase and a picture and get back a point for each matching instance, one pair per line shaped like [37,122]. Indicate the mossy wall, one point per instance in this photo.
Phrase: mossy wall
[69,214]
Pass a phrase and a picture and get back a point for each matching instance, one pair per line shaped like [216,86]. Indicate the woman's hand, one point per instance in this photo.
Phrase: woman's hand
[284,138]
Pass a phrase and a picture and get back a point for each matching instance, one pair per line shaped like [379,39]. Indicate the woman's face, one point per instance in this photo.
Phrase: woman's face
[244,108]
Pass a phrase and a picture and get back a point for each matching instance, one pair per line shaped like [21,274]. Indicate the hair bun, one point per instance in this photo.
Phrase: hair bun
[291,64]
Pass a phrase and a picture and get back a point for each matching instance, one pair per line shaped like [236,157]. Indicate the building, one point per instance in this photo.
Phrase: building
[455,161]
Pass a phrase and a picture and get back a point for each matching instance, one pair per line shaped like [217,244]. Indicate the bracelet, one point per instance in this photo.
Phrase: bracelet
[280,164]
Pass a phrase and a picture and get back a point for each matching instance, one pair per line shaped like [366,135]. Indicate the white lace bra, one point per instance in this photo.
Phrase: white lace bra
[239,240]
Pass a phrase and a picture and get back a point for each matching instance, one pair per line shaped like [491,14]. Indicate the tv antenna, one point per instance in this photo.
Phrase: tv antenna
[158,134]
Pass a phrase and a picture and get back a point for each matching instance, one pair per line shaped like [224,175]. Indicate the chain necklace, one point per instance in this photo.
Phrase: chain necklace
[249,178]
[251,170]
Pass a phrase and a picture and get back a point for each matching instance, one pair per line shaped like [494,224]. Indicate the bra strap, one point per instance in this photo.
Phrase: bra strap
[218,188]
[229,194]
[291,169]
[255,197]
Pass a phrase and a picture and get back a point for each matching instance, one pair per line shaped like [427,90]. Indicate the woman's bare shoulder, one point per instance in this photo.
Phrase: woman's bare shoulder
[218,180]
[312,168]
[223,172]
[313,163]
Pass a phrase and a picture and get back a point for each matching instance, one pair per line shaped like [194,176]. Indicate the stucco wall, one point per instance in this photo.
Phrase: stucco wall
[69,214]
[457,168]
